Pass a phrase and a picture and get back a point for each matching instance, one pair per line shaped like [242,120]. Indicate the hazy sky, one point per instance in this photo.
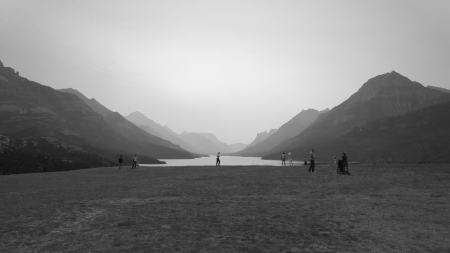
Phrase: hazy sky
[232,68]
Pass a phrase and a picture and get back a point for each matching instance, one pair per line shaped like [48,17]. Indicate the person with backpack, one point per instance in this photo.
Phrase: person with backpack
[283,160]
[134,162]
[311,160]
[120,163]
[340,166]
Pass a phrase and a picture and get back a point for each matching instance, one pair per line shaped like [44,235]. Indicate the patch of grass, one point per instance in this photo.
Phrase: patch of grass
[379,208]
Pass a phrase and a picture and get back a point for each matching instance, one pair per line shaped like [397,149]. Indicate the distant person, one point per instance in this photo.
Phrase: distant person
[335,163]
[218,159]
[290,159]
[311,160]
[345,163]
[305,162]
[120,163]
[283,160]
[133,166]
[340,165]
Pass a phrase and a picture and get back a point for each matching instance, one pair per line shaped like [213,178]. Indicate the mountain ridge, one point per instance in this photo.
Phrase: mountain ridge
[383,96]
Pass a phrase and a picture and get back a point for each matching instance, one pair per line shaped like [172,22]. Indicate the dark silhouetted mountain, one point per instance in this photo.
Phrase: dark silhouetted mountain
[438,88]
[288,130]
[164,132]
[96,106]
[383,96]
[417,137]
[236,147]
[31,110]
[261,136]
[128,129]
[206,143]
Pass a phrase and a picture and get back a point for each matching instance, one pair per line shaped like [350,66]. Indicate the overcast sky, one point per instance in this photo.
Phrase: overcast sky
[232,68]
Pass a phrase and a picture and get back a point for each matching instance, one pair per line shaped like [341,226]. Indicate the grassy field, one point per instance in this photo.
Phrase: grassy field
[379,208]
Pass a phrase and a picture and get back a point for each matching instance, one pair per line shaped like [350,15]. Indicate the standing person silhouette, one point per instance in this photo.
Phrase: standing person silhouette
[218,159]
[345,163]
[283,160]
[133,166]
[290,159]
[120,163]
[335,163]
[311,160]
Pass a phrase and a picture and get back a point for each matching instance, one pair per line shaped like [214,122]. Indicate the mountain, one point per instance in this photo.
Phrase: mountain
[438,88]
[383,96]
[96,106]
[156,129]
[421,136]
[288,130]
[236,147]
[132,132]
[261,136]
[29,110]
[206,143]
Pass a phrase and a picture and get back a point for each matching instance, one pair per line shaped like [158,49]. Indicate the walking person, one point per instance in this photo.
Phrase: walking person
[120,163]
[311,160]
[283,160]
[218,159]
[133,166]
[345,163]
[290,159]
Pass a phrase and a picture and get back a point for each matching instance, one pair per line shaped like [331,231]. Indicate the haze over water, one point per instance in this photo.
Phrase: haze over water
[224,160]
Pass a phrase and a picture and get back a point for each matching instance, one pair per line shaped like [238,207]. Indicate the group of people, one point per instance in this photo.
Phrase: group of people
[133,166]
[283,159]
[340,165]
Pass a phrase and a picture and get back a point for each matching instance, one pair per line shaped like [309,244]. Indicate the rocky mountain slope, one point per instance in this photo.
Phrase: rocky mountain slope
[164,132]
[32,110]
[288,130]
[260,137]
[130,130]
[383,96]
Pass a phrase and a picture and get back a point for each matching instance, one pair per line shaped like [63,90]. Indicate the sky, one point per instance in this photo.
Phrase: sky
[231,68]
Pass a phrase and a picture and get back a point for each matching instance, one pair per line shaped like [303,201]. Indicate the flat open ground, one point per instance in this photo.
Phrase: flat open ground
[379,208]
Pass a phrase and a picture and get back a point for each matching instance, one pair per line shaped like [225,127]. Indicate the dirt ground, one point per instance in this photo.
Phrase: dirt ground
[378,208]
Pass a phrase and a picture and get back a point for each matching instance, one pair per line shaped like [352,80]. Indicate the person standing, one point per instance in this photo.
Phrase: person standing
[133,166]
[218,159]
[290,159]
[311,161]
[283,160]
[305,162]
[120,163]
[335,164]
[345,163]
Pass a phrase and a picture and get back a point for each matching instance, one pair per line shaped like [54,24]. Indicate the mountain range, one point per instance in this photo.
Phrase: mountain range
[382,97]
[29,110]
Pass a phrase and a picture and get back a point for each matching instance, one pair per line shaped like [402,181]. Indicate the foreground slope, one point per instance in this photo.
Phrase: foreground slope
[379,208]
[386,95]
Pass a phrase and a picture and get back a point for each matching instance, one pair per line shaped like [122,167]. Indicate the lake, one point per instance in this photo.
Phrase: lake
[224,161]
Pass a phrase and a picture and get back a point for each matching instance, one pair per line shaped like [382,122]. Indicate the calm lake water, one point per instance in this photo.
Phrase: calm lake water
[224,161]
